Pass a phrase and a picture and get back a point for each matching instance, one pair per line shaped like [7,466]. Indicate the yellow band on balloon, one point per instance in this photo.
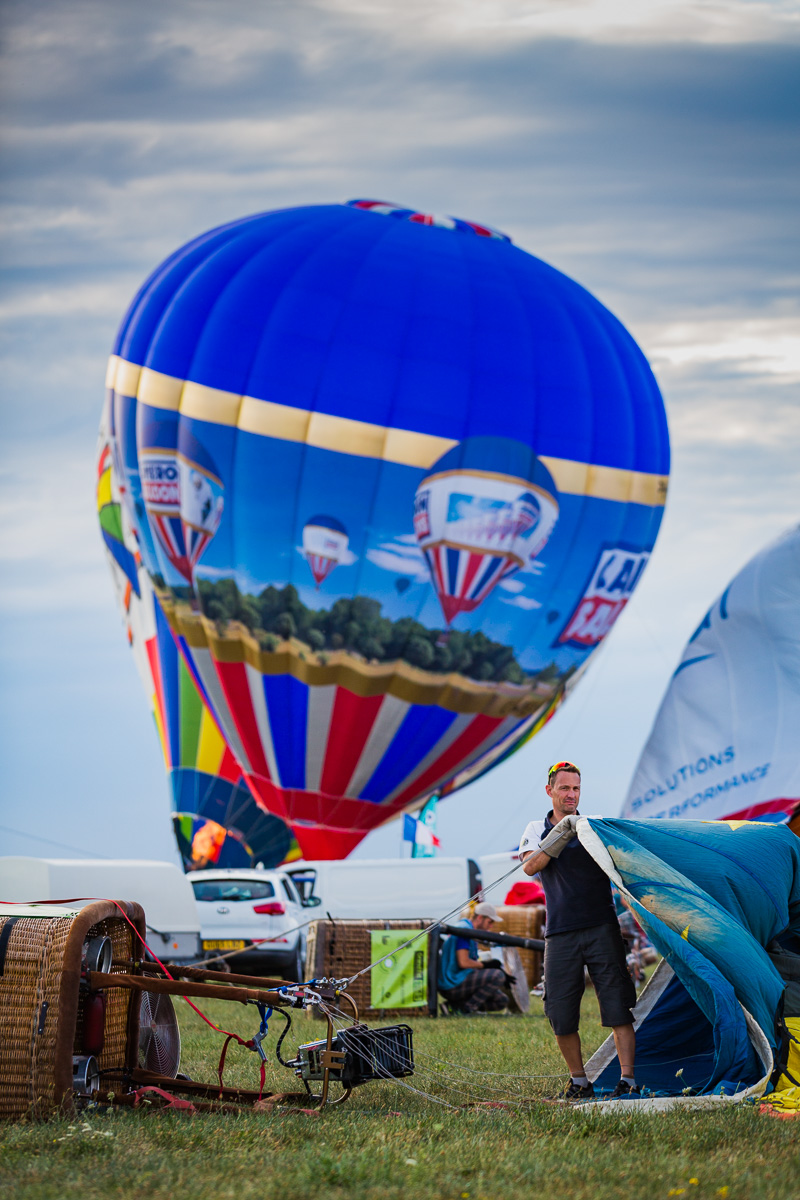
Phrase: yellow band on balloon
[346,436]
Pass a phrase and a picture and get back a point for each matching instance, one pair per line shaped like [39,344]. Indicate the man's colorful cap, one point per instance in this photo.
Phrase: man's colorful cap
[562,766]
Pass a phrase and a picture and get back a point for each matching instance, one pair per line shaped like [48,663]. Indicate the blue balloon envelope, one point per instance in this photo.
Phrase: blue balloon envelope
[394,481]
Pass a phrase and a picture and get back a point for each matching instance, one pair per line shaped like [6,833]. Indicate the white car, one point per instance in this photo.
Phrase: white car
[257,912]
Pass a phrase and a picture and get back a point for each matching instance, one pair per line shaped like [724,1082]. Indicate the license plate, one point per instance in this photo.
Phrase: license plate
[225,944]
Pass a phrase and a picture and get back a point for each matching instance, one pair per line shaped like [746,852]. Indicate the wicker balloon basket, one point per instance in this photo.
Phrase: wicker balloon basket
[50,1034]
[525,920]
[342,948]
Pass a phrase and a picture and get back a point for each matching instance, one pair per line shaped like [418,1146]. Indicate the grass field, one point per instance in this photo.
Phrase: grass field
[388,1142]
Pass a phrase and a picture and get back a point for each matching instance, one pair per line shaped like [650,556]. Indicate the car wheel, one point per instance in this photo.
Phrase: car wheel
[294,969]
[215,963]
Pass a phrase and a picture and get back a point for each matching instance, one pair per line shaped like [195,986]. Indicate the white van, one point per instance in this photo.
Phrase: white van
[162,889]
[385,888]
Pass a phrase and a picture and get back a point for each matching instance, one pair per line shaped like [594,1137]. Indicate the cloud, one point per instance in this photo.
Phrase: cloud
[526,602]
[636,167]
[763,346]
[615,21]
[51,555]
[648,150]
[516,587]
[401,558]
[81,301]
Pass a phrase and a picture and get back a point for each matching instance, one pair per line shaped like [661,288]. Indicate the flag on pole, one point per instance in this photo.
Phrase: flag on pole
[421,831]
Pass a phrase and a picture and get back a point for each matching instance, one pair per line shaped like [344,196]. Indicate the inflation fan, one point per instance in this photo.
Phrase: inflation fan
[159,1035]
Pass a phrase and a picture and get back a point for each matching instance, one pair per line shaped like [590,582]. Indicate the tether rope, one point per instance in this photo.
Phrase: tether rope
[202,962]
[474,1093]
[340,1013]
[434,924]
[471,1092]
[305,924]
[340,1025]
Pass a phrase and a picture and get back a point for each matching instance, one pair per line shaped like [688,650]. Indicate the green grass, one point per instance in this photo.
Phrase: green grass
[386,1142]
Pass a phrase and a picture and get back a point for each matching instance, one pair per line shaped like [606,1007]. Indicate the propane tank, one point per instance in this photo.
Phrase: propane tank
[94,1023]
[97,955]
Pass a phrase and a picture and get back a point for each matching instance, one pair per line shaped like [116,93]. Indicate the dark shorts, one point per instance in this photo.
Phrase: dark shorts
[601,951]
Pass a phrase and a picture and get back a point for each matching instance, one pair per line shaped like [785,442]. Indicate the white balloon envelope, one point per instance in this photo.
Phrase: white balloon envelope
[724,742]
[325,545]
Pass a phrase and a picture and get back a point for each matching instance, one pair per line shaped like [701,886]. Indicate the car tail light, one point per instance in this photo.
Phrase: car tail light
[273,909]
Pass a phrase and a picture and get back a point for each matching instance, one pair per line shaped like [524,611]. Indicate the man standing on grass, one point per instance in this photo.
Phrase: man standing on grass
[582,932]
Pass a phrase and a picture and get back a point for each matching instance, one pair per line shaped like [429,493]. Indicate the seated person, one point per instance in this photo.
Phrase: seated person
[466,982]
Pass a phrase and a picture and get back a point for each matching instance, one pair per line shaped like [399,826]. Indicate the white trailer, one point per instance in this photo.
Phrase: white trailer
[162,889]
[395,889]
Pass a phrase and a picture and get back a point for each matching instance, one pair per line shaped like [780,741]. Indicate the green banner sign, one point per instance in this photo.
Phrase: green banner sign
[401,980]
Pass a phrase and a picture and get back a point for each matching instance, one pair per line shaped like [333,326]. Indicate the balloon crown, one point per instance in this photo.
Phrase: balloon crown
[387,209]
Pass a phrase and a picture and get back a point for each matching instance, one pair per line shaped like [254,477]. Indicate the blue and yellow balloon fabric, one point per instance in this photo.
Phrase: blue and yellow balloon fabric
[396,479]
[712,896]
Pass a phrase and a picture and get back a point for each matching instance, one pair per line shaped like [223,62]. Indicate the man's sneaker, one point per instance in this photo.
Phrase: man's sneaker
[625,1091]
[576,1091]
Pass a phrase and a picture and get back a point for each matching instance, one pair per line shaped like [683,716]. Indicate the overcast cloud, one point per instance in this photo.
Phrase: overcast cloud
[650,151]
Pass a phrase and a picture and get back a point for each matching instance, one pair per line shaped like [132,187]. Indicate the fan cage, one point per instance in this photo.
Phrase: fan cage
[159,1035]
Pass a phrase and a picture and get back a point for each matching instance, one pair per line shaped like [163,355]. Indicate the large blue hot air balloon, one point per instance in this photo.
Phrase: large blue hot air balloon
[470,422]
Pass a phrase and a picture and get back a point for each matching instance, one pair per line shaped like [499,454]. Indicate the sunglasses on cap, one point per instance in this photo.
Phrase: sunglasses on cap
[562,766]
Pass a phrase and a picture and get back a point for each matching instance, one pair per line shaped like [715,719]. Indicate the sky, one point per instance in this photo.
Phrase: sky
[650,151]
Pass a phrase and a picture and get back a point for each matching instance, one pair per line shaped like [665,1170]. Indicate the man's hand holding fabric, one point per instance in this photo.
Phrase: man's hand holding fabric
[559,836]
